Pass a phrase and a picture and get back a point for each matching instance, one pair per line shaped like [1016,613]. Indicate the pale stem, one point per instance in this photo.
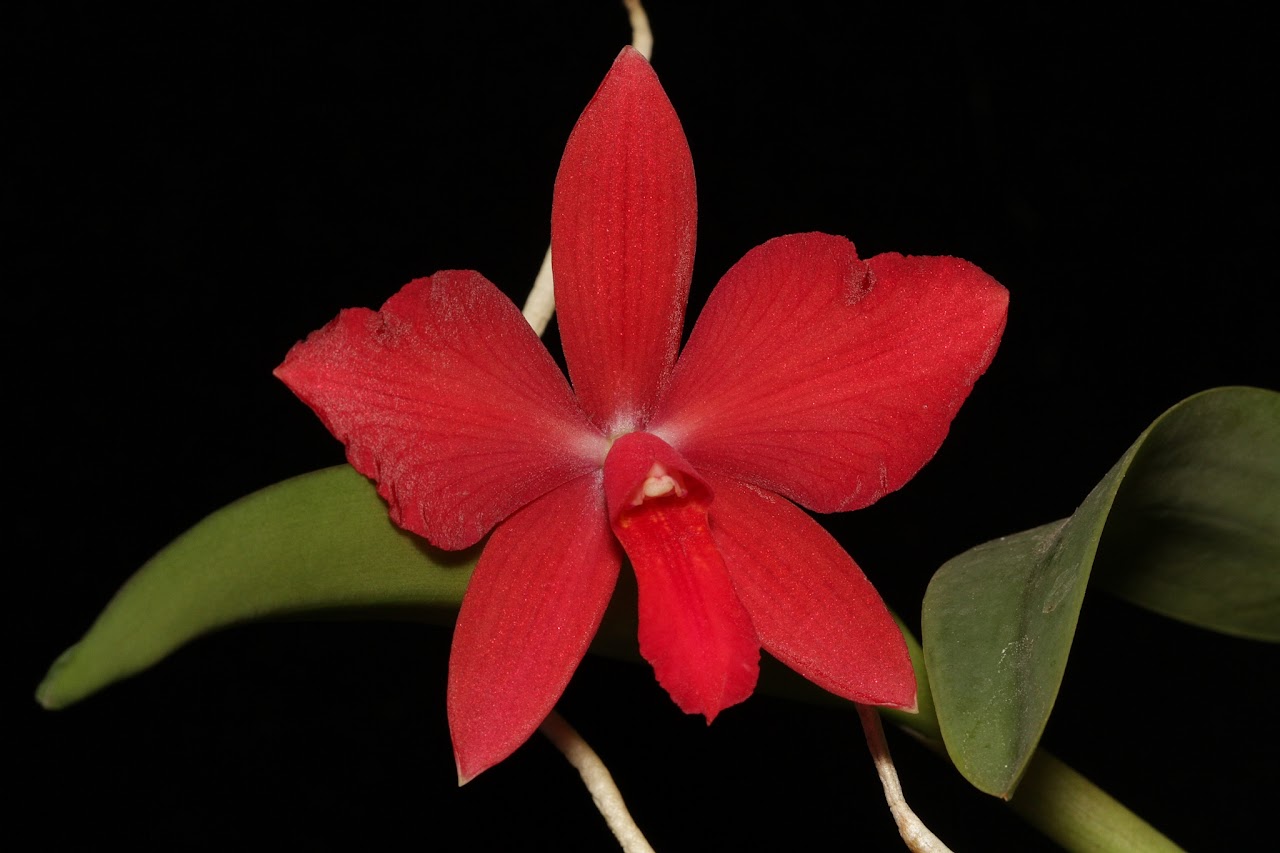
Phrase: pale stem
[913,831]
[541,303]
[641,33]
[604,792]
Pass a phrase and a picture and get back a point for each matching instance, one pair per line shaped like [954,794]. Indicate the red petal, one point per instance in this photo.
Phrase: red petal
[829,380]
[448,399]
[622,238]
[810,603]
[533,605]
[693,628]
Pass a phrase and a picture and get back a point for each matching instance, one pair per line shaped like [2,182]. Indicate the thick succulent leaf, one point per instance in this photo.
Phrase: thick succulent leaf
[998,620]
[318,542]
[1195,530]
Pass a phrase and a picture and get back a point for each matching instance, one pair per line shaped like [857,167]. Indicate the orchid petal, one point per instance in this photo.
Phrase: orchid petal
[449,401]
[826,379]
[811,605]
[534,603]
[622,240]
[693,629]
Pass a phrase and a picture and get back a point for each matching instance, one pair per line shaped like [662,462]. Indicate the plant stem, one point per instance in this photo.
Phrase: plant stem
[1079,815]
[541,303]
[918,837]
[599,782]
[641,33]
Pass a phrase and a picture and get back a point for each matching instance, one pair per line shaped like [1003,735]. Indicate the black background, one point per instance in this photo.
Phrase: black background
[192,188]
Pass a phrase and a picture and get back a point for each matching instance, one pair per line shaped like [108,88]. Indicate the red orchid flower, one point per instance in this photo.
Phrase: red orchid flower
[811,376]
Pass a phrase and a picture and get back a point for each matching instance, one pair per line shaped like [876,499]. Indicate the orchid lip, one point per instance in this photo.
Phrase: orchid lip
[693,628]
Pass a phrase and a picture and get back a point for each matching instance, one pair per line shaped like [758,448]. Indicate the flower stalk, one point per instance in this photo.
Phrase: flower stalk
[604,792]
[918,837]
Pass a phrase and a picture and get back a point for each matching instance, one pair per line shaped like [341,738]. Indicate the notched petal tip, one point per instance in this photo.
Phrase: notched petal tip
[828,379]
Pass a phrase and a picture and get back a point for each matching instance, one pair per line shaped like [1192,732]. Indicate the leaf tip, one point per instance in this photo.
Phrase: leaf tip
[50,693]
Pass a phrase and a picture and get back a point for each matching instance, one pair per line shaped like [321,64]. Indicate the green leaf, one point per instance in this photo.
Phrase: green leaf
[998,620]
[322,542]
[319,542]
[1195,529]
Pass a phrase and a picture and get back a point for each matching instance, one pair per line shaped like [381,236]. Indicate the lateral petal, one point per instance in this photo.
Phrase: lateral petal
[826,379]
[811,605]
[532,607]
[622,241]
[449,401]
